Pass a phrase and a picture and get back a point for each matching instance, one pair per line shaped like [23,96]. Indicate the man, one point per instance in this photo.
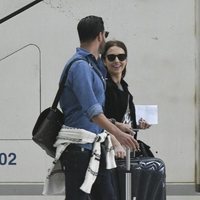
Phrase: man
[82,103]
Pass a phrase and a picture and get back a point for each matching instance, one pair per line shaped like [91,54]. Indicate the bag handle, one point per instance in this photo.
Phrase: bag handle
[62,83]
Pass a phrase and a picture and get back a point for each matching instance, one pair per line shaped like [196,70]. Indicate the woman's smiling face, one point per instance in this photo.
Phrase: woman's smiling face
[117,62]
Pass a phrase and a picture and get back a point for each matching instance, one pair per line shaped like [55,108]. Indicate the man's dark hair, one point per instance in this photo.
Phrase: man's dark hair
[89,27]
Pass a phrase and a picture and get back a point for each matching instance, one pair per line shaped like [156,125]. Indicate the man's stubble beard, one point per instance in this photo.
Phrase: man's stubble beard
[101,47]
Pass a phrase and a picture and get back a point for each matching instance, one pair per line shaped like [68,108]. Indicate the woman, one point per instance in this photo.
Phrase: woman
[119,101]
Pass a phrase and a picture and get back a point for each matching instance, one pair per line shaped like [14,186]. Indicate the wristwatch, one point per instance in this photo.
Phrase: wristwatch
[113,120]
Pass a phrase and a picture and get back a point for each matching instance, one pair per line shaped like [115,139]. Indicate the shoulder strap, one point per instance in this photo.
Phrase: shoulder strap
[62,83]
[94,66]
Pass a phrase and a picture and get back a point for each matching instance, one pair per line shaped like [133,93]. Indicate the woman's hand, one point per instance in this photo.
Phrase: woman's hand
[143,124]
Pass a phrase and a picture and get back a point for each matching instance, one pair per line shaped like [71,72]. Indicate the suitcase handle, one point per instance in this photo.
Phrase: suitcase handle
[128,183]
[128,152]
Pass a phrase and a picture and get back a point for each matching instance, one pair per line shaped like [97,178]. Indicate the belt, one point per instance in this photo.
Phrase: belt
[73,147]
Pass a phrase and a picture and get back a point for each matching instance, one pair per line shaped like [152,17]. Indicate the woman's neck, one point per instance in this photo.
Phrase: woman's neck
[116,78]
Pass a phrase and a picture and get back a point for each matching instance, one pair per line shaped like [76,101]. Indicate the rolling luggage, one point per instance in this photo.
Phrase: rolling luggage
[140,178]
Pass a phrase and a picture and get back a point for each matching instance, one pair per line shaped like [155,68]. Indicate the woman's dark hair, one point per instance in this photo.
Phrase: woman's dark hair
[116,43]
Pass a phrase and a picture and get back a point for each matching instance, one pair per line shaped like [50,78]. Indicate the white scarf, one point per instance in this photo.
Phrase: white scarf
[55,180]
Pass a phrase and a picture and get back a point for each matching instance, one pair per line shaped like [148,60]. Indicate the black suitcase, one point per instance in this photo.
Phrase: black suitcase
[140,178]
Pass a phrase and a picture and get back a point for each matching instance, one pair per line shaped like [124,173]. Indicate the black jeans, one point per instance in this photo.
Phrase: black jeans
[75,164]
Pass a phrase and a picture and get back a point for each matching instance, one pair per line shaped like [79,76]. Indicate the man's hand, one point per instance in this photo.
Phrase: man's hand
[125,137]
[127,140]
[125,128]
[119,150]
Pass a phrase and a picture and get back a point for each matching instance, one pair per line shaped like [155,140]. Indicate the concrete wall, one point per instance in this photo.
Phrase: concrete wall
[34,46]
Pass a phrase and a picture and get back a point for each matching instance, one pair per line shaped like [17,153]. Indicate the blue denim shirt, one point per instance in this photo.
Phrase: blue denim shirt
[83,96]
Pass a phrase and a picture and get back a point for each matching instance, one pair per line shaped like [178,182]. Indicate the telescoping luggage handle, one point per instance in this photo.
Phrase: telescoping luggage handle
[128,183]
[128,153]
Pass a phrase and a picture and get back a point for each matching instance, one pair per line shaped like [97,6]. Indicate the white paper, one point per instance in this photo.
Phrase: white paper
[148,113]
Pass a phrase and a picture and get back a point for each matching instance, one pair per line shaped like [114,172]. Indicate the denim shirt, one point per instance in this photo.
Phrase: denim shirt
[83,96]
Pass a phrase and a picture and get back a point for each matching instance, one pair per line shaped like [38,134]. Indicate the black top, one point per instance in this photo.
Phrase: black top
[116,101]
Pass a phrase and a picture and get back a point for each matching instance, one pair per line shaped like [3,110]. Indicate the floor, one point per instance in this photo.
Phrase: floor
[62,198]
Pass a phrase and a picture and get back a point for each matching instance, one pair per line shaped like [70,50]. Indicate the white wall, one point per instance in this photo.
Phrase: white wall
[160,38]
